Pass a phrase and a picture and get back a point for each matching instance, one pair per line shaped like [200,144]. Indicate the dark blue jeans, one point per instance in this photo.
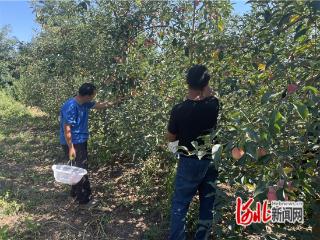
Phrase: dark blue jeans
[193,175]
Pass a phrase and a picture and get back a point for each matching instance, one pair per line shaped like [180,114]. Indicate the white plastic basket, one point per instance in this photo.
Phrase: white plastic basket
[68,174]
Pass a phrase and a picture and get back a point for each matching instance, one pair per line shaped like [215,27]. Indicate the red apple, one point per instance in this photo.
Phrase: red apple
[237,153]
[261,152]
[292,88]
[272,195]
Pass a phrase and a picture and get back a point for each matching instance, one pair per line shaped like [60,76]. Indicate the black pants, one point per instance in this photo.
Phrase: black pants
[82,190]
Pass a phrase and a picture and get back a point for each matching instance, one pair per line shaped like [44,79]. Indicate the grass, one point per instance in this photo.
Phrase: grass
[4,235]
[8,207]
[22,151]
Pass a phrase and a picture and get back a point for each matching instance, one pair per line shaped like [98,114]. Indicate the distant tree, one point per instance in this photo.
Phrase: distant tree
[8,66]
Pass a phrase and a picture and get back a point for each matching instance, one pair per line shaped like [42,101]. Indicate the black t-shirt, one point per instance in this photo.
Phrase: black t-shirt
[191,119]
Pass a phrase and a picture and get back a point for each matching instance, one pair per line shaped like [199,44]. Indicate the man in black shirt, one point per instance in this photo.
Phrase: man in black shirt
[195,117]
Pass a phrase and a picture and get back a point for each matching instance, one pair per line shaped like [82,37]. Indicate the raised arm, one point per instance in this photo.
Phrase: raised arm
[103,105]
[106,104]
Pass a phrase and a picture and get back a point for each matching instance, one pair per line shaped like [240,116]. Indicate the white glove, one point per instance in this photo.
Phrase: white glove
[173,146]
[215,149]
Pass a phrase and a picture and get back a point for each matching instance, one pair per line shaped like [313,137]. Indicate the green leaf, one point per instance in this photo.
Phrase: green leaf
[268,96]
[311,88]
[243,179]
[232,128]
[302,109]
[277,128]
[287,170]
[299,27]
[261,187]
[251,149]
[250,187]
[300,33]
[265,98]
[294,18]
[267,16]
[202,26]
[265,159]
[174,42]
[262,67]
[220,25]
[251,134]
[271,60]
[235,115]
[274,129]
[276,116]
[264,136]
[284,20]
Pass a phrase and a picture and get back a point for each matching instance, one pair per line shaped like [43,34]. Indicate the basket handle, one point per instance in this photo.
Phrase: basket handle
[70,161]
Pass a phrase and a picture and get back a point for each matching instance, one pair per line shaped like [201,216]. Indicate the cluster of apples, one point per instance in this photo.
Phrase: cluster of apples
[238,153]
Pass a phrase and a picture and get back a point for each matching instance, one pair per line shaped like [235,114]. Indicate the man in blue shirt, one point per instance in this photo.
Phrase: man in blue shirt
[74,134]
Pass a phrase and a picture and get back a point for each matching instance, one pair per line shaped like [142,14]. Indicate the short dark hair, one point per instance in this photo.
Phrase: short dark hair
[87,89]
[198,77]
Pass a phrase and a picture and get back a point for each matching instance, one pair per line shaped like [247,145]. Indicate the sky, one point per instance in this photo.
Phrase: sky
[19,16]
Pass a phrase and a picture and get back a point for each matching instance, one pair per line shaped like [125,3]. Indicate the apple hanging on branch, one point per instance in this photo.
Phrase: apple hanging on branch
[292,88]
[237,153]
[261,152]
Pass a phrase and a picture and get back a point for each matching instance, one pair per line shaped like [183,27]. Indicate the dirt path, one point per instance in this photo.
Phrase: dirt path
[34,206]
